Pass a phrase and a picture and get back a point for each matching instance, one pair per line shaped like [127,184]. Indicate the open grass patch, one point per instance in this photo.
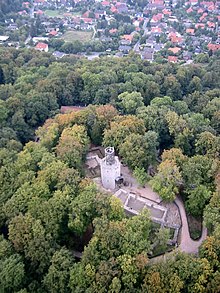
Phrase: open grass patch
[82,36]
[53,13]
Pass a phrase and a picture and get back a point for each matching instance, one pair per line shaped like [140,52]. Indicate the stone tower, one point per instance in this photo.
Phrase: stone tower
[110,168]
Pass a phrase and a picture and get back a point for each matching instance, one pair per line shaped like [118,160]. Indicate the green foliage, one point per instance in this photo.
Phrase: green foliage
[140,175]
[57,278]
[212,212]
[167,181]
[12,273]
[197,199]
[29,236]
[121,128]
[128,103]
[90,204]
[72,146]
[49,210]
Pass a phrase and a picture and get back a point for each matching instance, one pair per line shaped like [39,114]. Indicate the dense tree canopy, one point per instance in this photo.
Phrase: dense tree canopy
[162,118]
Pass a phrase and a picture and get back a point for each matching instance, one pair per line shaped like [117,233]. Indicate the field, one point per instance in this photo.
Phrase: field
[53,13]
[58,13]
[82,36]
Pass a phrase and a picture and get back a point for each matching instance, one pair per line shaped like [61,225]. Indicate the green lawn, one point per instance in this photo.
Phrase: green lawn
[58,13]
[82,36]
[53,13]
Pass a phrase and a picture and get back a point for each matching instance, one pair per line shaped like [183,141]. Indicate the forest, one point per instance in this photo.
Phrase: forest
[162,116]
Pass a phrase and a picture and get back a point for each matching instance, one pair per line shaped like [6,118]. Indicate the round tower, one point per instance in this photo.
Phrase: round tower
[110,168]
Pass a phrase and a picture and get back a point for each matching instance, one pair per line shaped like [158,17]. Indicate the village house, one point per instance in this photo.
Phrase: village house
[42,47]
[172,59]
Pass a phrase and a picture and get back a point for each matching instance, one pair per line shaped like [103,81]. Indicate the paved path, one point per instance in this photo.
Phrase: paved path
[186,243]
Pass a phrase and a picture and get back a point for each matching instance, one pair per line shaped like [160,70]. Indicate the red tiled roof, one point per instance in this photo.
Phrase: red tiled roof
[213,47]
[199,25]
[127,37]
[157,17]
[172,59]
[105,3]
[167,12]
[86,14]
[190,31]
[114,9]
[41,46]
[113,31]
[53,33]
[87,20]
[211,24]
[189,10]
[156,29]
[40,12]
[200,10]
[176,39]
[175,50]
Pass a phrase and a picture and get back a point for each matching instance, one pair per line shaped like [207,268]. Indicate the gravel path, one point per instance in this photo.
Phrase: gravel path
[186,243]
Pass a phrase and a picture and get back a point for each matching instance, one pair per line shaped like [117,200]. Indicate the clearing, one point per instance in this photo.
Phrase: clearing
[82,36]
[58,13]
[53,13]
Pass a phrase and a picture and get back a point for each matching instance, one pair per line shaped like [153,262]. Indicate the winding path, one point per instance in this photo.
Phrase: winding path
[186,243]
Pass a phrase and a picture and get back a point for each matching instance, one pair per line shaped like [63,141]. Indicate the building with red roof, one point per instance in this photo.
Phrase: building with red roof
[42,47]
[189,10]
[175,50]
[203,16]
[193,2]
[190,31]
[22,12]
[53,33]
[167,12]
[156,30]
[114,9]
[213,47]
[128,37]
[39,12]
[200,10]
[172,59]
[87,20]
[26,4]
[199,25]
[113,31]
[105,3]
[211,24]
[86,14]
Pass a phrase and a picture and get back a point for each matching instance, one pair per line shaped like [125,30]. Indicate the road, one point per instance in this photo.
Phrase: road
[94,31]
[136,47]
[145,27]
[27,40]
[32,12]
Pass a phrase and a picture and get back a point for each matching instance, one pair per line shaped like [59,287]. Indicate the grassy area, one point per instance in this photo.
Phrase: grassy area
[82,36]
[53,13]
[58,13]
